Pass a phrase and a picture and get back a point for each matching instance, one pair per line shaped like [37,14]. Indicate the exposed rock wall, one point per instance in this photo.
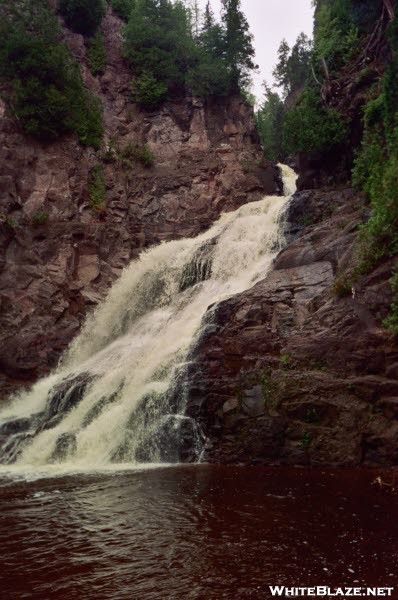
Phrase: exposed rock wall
[207,160]
[289,372]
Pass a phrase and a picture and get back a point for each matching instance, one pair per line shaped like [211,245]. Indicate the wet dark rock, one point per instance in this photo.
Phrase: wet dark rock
[64,397]
[12,447]
[253,403]
[176,439]
[64,446]
[291,373]
[200,267]
[17,426]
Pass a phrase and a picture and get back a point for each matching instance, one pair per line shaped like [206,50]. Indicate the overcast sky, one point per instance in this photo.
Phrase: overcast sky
[271,21]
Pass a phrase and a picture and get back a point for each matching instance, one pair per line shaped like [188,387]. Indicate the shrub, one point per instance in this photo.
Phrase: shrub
[309,126]
[82,16]
[122,8]
[96,54]
[85,118]
[40,218]
[342,286]
[148,92]
[97,189]
[134,152]
[286,361]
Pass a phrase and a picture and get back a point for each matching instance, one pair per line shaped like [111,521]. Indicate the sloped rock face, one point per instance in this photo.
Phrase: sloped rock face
[288,372]
[207,160]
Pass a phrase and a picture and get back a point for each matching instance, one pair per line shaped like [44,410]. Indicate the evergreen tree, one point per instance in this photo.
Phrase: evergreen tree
[291,70]
[209,75]
[269,119]
[212,37]
[195,16]
[239,49]
[122,8]
[158,41]
[208,20]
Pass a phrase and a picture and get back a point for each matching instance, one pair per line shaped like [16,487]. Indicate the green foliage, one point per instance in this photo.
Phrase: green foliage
[239,48]
[83,16]
[85,117]
[40,217]
[309,126]
[122,7]
[148,91]
[336,35]
[291,71]
[96,54]
[376,173]
[392,320]
[209,77]
[134,152]
[342,286]
[168,51]
[97,189]
[269,121]
[286,361]
[267,389]
[305,441]
[45,87]
[376,170]
[158,42]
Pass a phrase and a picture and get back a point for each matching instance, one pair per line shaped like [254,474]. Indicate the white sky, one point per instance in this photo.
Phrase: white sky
[270,21]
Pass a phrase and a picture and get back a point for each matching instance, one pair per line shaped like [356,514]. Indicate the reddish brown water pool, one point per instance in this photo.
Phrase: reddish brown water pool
[194,532]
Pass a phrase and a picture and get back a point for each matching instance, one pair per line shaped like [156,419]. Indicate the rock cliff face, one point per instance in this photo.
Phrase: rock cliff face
[207,160]
[289,372]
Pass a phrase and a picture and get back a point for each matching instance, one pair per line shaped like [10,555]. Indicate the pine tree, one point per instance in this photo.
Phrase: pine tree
[208,20]
[239,49]
[269,118]
[196,16]
[292,68]
[212,36]
[280,71]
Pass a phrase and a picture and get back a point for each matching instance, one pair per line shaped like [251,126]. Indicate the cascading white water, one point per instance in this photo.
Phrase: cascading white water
[110,396]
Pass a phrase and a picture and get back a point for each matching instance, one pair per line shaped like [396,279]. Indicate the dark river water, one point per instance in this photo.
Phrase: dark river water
[195,532]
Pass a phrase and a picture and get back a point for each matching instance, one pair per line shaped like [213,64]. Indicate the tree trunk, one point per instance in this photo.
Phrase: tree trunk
[389,8]
[325,69]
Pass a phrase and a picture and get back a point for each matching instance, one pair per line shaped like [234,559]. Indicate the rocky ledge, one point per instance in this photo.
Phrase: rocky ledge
[294,372]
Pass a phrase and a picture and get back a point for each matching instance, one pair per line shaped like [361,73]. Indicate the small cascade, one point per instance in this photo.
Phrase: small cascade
[117,395]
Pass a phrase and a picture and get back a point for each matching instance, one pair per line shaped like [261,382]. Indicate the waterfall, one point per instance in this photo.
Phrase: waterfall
[117,395]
